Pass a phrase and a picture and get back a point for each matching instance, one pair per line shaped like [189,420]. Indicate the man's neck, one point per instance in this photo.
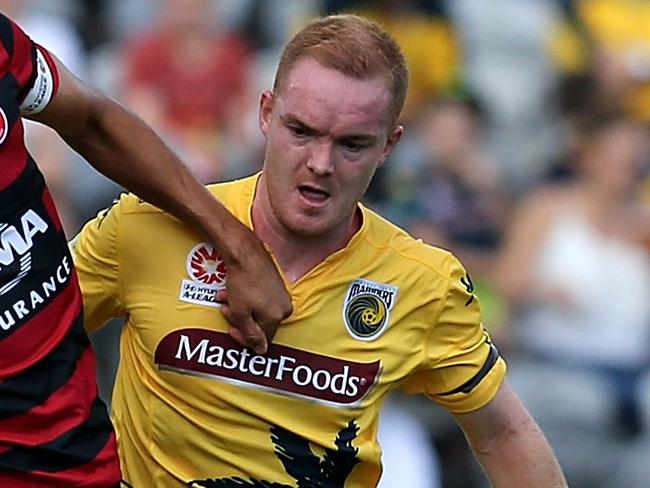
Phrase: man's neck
[297,255]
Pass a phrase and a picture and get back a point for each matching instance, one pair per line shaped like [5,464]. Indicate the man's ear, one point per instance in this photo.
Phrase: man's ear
[266,108]
[393,138]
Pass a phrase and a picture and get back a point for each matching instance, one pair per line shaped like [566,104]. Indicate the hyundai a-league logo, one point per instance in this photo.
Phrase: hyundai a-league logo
[367,307]
[208,275]
[205,266]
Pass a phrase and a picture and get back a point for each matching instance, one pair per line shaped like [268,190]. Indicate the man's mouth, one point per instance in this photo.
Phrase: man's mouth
[313,194]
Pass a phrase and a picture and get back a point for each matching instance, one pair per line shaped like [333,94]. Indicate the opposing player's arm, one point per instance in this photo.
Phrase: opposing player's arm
[509,444]
[121,146]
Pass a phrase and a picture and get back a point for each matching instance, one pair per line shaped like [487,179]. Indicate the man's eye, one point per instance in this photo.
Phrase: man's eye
[298,131]
[353,146]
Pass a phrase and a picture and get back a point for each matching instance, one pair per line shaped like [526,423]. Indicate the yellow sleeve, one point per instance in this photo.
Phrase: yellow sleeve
[95,255]
[462,368]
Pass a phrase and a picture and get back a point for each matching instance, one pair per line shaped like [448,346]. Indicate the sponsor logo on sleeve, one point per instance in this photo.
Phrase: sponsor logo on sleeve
[283,370]
[367,307]
[207,273]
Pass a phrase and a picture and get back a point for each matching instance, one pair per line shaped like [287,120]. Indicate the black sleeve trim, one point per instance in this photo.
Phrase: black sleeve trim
[469,385]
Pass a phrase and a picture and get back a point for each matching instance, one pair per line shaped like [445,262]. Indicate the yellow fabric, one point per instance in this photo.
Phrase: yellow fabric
[204,422]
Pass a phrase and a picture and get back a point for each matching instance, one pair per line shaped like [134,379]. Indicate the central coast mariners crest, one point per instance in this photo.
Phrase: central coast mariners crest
[367,307]
[208,275]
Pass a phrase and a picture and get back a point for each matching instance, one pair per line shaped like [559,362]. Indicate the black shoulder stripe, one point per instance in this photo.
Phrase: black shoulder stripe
[75,448]
[33,386]
[469,385]
[6,34]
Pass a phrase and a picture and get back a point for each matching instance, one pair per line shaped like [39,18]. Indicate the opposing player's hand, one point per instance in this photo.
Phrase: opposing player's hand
[255,300]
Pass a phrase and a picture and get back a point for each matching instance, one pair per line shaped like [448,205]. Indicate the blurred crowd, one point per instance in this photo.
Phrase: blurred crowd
[526,152]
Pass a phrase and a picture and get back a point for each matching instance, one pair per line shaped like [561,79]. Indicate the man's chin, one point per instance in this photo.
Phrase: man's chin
[308,228]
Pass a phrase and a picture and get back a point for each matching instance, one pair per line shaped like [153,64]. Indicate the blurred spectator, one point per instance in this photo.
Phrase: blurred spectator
[428,40]
[508,65]
[444,187]
[576,268]
[186,76]
[611,39]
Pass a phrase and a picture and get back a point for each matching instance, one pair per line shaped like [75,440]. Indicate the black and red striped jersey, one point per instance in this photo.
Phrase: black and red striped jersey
[54,430]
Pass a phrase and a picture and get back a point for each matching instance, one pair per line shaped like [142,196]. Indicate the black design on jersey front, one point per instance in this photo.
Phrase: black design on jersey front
[299,461]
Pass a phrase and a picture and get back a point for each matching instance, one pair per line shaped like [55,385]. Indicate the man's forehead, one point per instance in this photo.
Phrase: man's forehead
[313,91]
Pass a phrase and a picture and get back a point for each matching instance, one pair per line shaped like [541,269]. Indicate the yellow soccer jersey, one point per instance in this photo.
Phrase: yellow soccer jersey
[192,407]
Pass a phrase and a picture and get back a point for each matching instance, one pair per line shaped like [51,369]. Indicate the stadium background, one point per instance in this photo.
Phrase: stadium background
[502,95]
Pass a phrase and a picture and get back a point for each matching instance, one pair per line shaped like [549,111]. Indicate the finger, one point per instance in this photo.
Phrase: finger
[245,331]
[253,338]
[221,296]
[268,327]
[272,316]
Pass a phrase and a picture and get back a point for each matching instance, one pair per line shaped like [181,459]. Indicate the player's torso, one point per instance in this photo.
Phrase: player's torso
[35,266]
[354,334]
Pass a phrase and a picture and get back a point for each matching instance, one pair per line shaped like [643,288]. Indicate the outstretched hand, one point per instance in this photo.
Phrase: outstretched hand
[255,300]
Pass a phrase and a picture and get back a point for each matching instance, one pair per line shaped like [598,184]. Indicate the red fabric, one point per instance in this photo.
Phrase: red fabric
[69,406]
[51,209]
[13,155]
[102,472]
[65,409]
[18,348]
[22,61]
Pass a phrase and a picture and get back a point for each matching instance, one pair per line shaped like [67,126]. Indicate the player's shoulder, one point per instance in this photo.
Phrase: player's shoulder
[128,203]
[227,189]
[233,192]
[410,251]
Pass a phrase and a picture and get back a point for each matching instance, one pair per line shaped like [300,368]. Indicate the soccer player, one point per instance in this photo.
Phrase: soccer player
[374,309]
[54,431]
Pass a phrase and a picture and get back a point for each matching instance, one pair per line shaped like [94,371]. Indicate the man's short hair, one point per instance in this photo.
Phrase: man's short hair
[354,46]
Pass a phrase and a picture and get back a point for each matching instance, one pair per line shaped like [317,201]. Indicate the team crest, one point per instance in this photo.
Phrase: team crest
[367,307]
[207,273]
[4,126]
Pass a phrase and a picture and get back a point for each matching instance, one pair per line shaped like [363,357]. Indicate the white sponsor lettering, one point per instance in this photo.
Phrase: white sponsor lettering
[285,368]
[14,241]
[199,294]
[33,299]
[184,346]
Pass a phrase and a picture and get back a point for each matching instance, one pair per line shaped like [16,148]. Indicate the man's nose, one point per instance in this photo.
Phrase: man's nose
[320,159]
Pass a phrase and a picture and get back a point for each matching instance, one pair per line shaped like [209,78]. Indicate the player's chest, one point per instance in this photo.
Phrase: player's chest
[348,334]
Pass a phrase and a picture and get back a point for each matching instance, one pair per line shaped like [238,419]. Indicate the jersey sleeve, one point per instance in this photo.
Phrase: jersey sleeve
[31,66]
[462,368]
[95,254]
